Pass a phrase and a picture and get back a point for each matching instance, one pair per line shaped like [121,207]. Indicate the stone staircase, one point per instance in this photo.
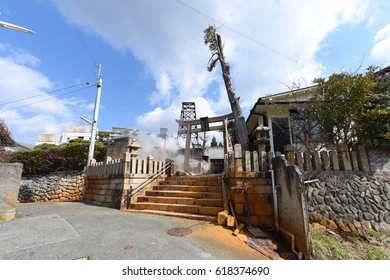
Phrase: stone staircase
[192,197]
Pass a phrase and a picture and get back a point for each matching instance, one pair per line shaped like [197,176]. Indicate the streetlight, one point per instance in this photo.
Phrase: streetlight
[15,27]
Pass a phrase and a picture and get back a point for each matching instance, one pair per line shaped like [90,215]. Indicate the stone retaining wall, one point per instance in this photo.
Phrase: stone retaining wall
[350,201]
[57,186]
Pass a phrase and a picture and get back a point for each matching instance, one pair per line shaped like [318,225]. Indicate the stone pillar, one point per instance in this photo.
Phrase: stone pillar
[355,165]
[317,162]
[299,157]
[248,164]
[325,160]
[363,158]
[256,162]
[238,158]
[307,163]
[270,156]
[10,175]
[150,160]
[345,161]
[334,160]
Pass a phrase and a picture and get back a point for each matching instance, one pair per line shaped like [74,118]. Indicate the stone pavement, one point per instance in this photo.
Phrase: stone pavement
[73,230]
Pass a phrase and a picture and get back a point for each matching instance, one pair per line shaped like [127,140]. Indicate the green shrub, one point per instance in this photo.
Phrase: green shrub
[48,158]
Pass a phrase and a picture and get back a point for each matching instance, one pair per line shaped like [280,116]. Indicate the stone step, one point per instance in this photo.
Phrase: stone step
[192,182]
[176,214]
[211,189]
[181,200]
[180,208]
[186,194]
[211,180]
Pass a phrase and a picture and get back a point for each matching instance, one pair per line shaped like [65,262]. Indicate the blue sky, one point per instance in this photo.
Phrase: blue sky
[153,57]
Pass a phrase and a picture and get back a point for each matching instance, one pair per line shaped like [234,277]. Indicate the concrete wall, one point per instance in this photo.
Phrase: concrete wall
[10,175]
[56,186]
[292,207]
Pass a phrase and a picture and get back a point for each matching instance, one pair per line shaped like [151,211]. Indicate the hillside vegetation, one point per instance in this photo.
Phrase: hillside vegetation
[329,245]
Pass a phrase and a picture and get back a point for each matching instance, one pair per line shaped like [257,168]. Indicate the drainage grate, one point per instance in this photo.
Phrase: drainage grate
[179,231]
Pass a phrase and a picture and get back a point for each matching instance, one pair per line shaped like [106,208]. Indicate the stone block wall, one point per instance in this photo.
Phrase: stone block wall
[56,186]
[350,201]
[106,191]
[251,195]
[107,182]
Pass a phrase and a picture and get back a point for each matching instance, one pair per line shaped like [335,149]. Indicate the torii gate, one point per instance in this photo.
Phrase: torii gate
[205,126]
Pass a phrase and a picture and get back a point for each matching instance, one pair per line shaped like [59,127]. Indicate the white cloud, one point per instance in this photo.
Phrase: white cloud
[164,91]
[381,49]
[25,104]
[267,43]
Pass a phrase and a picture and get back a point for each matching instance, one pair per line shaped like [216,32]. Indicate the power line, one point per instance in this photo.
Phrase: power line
[239,32]
[43,100]
[22,99]
[67,12]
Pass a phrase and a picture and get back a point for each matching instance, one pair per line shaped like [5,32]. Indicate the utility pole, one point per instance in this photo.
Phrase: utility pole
[95,116]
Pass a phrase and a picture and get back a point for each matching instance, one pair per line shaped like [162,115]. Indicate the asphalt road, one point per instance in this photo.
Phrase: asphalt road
[73,230]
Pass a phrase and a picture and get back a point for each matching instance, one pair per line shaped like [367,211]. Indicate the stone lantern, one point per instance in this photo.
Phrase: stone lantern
[262,139]
[133,148]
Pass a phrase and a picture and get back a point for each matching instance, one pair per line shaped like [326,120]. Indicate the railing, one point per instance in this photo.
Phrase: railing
[131,192]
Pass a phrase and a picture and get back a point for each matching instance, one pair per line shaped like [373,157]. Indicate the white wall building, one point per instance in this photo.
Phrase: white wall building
[71,132]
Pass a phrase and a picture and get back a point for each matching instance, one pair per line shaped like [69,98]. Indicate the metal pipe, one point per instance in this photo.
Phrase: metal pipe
[292,238]
[311,181]
[275,198]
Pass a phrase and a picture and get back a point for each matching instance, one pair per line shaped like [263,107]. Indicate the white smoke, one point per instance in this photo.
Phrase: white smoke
[158,147]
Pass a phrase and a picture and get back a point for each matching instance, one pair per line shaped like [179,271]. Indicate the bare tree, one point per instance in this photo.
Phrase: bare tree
[213,40]
[5,135]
